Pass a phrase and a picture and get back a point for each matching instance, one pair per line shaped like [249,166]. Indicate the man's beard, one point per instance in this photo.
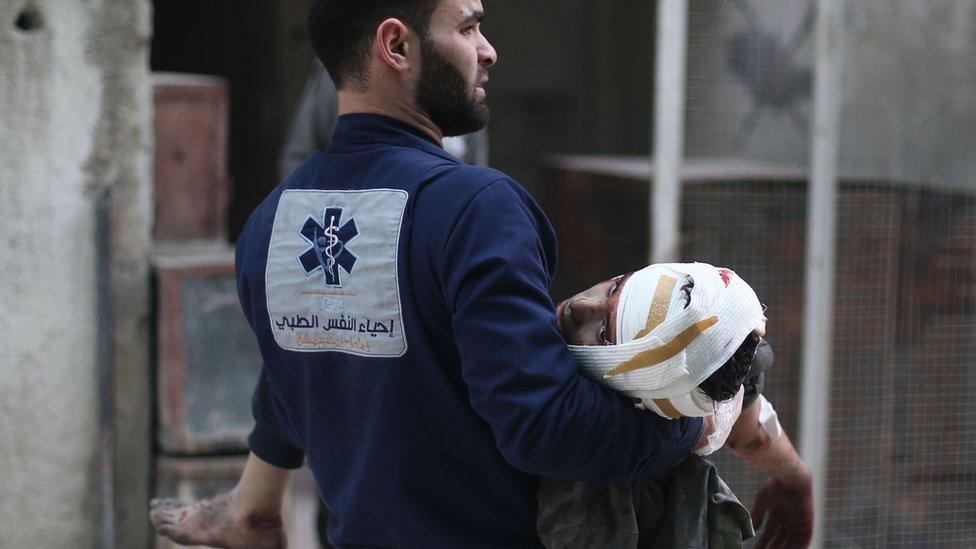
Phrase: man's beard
[443,93]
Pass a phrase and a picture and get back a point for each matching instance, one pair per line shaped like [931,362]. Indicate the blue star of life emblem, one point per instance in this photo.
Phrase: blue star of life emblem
[328,251]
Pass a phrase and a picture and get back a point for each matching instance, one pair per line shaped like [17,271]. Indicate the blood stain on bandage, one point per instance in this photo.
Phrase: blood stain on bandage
[726,276]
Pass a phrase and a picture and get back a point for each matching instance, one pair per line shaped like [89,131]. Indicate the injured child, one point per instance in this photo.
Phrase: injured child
[682,340]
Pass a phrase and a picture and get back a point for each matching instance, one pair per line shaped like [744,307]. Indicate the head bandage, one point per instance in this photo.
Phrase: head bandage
[676,324]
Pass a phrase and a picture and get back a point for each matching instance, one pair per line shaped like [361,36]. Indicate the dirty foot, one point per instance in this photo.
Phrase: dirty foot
[214,522]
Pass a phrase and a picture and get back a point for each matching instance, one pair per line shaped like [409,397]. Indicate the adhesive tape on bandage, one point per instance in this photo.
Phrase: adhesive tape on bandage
[693,404]
[667,351]
[676,324]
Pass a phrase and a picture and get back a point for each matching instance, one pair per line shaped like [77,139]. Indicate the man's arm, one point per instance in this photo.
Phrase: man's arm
[787,498]
[547,419]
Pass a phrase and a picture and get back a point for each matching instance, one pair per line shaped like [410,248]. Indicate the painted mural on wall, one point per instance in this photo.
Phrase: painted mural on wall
[908,111]
[749,80]
[767,66]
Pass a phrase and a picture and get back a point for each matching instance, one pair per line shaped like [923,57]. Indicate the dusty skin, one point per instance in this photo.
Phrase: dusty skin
[212,522]
[249,516]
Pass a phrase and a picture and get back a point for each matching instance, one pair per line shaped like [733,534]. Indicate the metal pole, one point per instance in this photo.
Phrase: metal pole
[106,367]
[669,128]
[820,260]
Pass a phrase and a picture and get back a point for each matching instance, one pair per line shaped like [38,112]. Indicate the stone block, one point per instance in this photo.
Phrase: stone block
[192,184]
[208,360]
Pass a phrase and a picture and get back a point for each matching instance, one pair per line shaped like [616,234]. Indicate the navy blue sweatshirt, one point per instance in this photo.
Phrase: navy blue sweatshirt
[400,301]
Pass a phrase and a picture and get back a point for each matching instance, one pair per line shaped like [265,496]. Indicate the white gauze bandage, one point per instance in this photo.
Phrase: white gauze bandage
[726,414]
[768,419]
[676,324]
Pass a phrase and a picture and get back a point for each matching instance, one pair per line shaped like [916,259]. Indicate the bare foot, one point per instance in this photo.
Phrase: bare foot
[213,522]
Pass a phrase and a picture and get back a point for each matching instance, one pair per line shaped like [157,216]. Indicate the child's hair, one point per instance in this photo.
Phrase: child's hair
[724,383]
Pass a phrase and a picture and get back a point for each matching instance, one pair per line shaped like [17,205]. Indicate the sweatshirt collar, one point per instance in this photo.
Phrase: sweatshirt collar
[365,128]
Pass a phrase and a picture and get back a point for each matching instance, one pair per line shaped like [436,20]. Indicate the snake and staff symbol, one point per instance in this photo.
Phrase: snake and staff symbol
[328,246]
[324,245]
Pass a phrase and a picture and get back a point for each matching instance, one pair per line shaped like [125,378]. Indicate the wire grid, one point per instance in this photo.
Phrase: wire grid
[865,312]
[901,462]
[760,237]
[902,445]
[901,438]
[747,104]
[748,80]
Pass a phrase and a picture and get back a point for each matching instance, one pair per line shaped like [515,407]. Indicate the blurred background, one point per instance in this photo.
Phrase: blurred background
[823,149]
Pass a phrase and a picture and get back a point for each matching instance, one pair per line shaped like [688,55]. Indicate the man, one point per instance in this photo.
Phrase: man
[400,302]
[311,130]
[611,319]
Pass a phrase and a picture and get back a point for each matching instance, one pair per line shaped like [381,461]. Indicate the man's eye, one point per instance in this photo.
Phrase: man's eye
[467,30]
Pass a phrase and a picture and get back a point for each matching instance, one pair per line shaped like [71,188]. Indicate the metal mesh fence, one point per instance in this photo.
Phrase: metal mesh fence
[747,106]
[865,306]
[761,237]
[901,469]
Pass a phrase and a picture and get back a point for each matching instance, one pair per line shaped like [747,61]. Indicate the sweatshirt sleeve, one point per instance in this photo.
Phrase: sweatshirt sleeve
[269,439]
[546,418]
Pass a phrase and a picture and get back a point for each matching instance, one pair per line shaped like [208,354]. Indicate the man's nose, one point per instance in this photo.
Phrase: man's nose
[487,56]
[584,309]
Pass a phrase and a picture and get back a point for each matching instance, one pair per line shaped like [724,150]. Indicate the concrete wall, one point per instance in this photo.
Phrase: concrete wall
[76,109]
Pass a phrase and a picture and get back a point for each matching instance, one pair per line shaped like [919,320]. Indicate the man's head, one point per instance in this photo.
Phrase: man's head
[678,336]
[427,56]
[342,32]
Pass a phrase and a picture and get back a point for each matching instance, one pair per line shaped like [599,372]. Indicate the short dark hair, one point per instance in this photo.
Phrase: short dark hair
[342,31]
[724,383]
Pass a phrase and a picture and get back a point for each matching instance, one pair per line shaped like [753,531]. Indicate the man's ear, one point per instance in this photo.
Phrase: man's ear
[392,44]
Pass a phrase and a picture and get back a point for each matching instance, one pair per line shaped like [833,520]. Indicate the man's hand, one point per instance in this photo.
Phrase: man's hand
[785,509]
[708,426]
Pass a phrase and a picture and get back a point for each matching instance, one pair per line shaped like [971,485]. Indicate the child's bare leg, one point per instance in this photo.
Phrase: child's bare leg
[247,516]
